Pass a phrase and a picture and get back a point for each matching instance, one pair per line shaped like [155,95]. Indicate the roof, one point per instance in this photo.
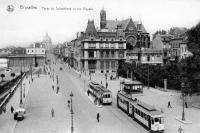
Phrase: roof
[131,82]
[148,109]
[112,24]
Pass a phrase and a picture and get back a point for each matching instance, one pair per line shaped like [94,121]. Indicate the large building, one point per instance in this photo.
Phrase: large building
[162,42]
[105,48]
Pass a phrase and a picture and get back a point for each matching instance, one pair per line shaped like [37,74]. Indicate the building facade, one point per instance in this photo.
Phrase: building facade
[105,48]
[145,56]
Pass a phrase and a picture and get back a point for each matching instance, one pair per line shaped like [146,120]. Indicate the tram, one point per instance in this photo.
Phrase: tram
[146,114]
[102,94]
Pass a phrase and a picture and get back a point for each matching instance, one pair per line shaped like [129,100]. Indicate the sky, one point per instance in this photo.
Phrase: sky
[25,26]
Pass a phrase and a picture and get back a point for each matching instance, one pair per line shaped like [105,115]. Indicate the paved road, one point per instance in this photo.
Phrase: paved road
[42,98]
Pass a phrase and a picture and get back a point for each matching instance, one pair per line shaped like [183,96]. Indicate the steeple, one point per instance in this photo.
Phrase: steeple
[102,19]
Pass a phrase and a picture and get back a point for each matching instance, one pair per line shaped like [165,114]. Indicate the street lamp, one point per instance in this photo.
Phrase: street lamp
[72,127]
[106,79]
[24,91]
[183,113]
[21,86]
[148,76]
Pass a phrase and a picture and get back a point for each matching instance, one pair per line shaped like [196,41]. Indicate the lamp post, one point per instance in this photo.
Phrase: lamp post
[148,76]
[183,96]
[106,80]
[72,127]
[24,91]
[21,88]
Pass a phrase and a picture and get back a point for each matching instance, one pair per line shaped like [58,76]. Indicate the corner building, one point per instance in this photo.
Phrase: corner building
[105,48]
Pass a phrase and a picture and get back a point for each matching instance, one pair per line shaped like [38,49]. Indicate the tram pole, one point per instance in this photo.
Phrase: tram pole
[21,87]
[148,76]
[183,99]
[72,126]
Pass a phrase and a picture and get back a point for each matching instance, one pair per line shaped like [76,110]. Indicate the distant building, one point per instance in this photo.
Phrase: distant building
[3,62]
[47,42]
[145,56]
[175,47]
[162,42]
[184,50]
[37,49]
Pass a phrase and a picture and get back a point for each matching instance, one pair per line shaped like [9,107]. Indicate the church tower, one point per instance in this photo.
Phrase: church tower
[102,19]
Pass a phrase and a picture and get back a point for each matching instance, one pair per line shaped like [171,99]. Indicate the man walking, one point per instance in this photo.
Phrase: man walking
[11,109]
[98,117]
[169,105]
[52,112]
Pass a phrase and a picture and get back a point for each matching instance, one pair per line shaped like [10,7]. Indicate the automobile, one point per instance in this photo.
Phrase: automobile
[7,70]
[19,114]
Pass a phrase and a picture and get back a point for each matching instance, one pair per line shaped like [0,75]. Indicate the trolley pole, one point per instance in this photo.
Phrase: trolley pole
[72,126]
[183,96]
[148,76]
[21,88]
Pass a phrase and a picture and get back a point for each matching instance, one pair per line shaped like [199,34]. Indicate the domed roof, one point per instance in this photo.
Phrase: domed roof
[47,38]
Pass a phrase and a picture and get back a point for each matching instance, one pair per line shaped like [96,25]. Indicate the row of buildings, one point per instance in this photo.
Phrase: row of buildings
[100,50]
[35,54]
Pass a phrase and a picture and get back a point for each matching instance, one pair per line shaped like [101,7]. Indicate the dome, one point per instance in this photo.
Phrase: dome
[47,38]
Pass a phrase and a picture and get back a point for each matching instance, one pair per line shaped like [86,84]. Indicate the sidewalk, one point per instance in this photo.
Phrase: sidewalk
[41,99]
[7,122]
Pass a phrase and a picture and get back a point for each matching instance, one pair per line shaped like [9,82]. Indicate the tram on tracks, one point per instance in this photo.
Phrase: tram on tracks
[103,95]
[145,114]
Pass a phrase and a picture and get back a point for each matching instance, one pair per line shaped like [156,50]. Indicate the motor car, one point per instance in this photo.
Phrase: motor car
[7,70]
[19,114]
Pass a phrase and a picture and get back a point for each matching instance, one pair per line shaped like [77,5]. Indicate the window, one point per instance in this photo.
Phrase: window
[101,45]
[101,65]
[121,54]
[112,54]
[107,54]
[113,64]
[156,119]
[121,45]
[91,54]
[107,45]
[101,54]
[148,58]
[107,64]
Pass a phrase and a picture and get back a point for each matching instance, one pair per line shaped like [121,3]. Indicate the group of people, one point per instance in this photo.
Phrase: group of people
[170,106]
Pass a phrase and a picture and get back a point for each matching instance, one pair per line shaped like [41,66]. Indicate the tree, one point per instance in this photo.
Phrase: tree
[193,62]
[2,76]
[12,75]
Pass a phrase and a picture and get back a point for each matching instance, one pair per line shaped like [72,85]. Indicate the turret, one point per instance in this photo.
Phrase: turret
[102,19]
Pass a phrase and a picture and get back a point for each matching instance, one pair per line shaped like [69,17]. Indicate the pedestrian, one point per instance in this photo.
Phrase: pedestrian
[106,85]
[68,103]
[169,105]
[52,112]
[180,129]
[53,87]
[57,89]
[11,109]
[98,117]
[186,104]
[101,82]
